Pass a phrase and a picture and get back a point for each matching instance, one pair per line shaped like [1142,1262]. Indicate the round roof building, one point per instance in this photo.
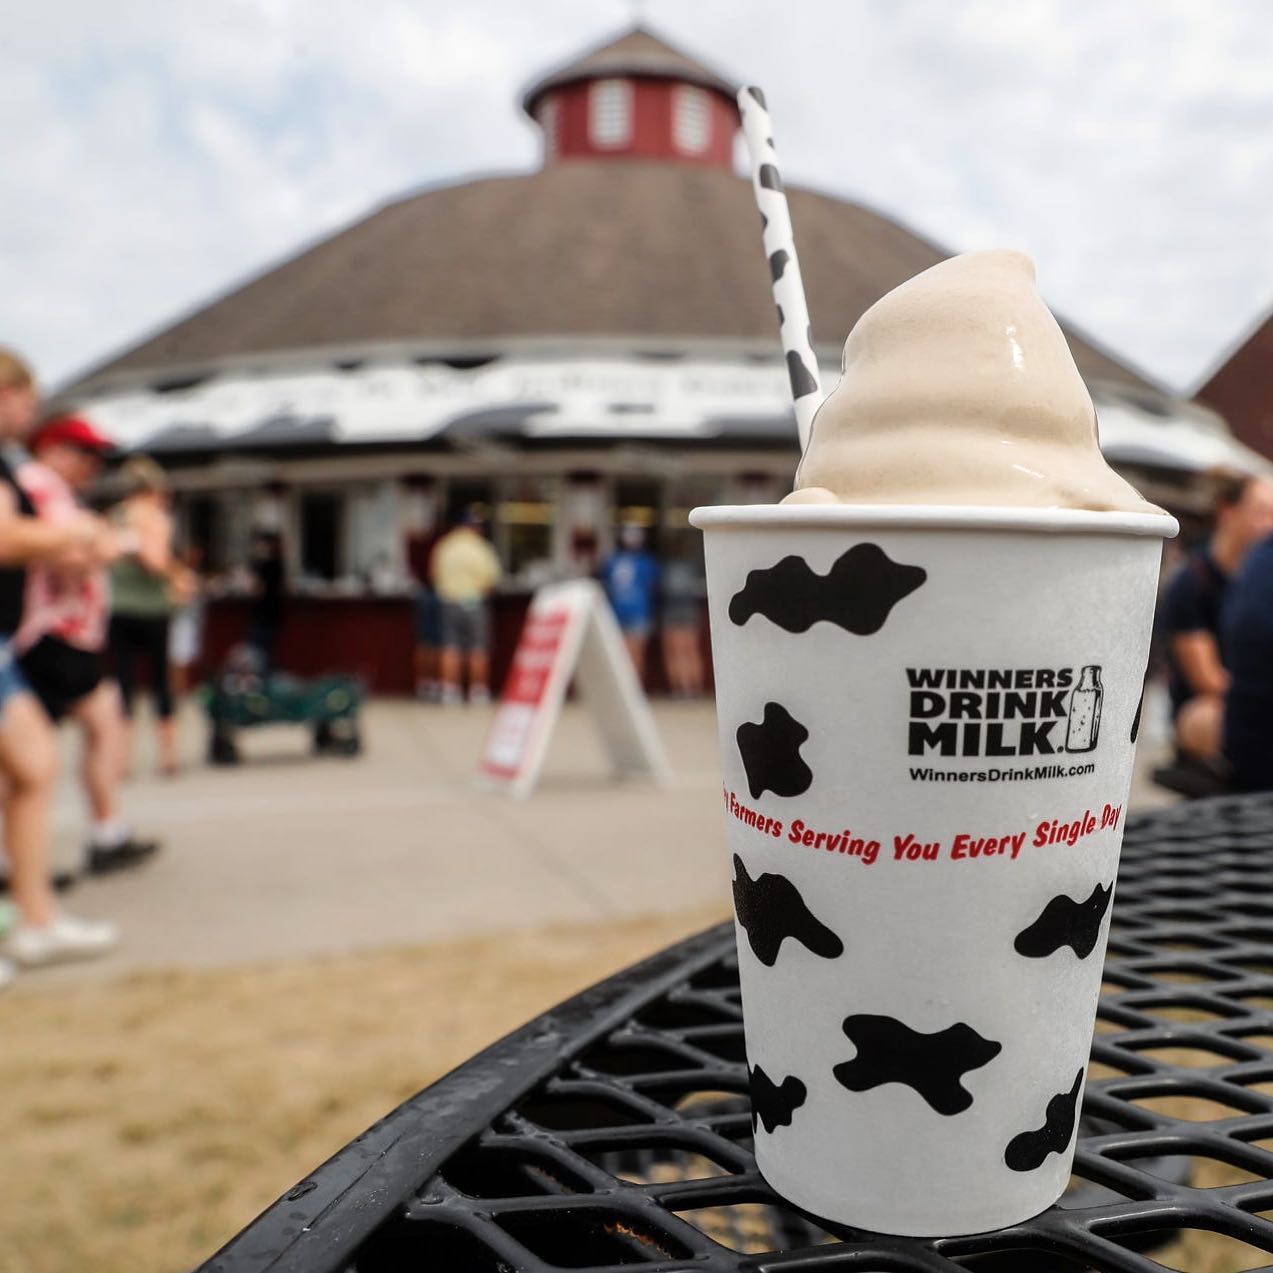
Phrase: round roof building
[589,341]
[635,231]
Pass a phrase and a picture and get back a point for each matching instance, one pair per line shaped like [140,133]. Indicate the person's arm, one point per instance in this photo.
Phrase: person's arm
[154,538]
[1198,655]
[494,571]
[26,539]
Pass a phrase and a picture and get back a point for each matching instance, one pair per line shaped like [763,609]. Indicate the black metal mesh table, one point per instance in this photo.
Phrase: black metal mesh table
[615,1131]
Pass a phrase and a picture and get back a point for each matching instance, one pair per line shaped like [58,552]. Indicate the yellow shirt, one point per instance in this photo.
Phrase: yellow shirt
[464,567]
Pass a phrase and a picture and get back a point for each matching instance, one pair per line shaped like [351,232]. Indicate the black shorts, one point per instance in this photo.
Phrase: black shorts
[60,674]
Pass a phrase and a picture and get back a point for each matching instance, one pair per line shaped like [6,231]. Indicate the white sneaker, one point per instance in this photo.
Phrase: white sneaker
[67,937]
[8,971]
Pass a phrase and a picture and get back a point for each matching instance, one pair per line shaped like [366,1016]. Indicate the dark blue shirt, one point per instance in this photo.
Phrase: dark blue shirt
[1247,631]
[1191,603]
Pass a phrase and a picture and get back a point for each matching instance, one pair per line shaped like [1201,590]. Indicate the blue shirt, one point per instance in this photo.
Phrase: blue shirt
[631,579]
[1246,626]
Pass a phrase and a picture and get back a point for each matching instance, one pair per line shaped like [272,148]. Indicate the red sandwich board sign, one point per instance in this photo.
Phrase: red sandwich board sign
[569,634]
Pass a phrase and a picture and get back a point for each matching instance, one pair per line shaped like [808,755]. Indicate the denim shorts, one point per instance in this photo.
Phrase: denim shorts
[466,627]
[12,682]
[635,625]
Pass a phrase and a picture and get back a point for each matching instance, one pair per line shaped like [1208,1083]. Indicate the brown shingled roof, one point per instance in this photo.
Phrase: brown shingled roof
[627,249]
[638,52]
[1241,390]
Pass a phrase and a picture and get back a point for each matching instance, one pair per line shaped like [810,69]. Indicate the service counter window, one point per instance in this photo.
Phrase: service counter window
[199,527]
[232,520]
[525,519]
[374,556]
[685,494]
[321,527]
[638,503]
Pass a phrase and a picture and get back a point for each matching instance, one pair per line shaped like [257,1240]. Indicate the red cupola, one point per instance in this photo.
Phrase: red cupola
[635,97]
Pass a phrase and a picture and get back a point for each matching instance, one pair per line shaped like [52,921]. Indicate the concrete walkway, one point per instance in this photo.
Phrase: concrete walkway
[288,855]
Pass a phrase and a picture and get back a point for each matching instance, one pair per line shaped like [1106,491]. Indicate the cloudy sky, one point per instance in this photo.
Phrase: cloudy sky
[156,152]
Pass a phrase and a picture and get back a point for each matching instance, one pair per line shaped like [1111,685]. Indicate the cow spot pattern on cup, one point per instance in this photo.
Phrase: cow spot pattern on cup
[774,1104]
[857,594]
[1029,1150]
[770,909]
[889,1051]
[1065,922]
[770,753]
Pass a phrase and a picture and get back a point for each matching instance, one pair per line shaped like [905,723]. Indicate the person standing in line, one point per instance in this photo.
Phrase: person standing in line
[64,630]
[142,602]
[683,591]
[464,569]
[28,759]
[630,577]
[426,656]
[1190,614]
[269,595]
[185,633]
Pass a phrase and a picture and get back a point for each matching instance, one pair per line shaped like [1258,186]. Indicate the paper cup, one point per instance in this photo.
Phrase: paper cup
[927,722]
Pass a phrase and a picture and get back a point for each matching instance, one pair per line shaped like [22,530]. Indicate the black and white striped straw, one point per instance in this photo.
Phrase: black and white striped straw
[784,266]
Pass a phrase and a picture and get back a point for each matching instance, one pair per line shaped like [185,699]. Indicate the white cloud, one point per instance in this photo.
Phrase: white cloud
[157,152]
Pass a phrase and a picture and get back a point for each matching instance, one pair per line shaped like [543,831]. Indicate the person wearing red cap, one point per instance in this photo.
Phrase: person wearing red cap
[28,759]
[64,630]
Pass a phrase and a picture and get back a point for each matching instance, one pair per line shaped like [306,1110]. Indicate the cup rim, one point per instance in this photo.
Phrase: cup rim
[932,517]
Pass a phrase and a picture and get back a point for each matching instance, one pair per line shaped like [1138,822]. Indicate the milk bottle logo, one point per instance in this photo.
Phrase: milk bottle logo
[1085,710]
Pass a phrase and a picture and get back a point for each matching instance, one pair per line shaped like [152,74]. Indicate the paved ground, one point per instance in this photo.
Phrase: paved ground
[289,855]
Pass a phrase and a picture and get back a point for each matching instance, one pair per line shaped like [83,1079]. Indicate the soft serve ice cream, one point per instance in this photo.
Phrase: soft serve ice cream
[958,387]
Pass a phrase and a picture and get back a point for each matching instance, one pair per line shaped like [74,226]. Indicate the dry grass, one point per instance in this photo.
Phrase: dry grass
[144,1122]
[147,1120]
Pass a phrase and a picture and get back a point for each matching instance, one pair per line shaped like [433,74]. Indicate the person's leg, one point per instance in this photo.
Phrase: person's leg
[694,670]
[452,644]
[689,660]
[636,639]
[670,647]
[689,665]
[28,762]
[111,843]
[451,667]
[181,647]
[121,659]
[479,676]
[1200,727]
[156,637]
[479,640]
[428,645]
[101,721]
